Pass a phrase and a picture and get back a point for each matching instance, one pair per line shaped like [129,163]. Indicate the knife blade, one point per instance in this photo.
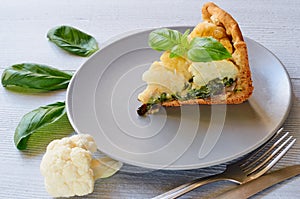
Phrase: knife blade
[250,188]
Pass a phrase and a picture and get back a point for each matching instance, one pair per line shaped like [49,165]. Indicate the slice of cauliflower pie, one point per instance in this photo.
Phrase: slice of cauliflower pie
[206,66]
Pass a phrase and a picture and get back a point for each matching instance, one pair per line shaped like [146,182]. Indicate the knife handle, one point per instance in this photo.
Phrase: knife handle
[252,187]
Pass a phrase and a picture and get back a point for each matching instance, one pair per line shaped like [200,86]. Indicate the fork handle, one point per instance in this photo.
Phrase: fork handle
[183,189]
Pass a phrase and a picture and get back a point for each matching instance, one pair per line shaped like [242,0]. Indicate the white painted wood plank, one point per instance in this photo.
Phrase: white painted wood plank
[23,28]
[24,40]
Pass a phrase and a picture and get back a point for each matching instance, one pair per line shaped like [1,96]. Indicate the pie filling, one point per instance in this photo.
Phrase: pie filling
[198,81]
[180,79]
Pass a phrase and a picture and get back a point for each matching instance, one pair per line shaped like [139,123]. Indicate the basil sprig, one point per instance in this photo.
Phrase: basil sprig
[38,77]
[73,40]
[167,39]
[204,49]
[43,119]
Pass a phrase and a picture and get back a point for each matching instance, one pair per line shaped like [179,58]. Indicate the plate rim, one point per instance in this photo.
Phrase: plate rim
[130,33]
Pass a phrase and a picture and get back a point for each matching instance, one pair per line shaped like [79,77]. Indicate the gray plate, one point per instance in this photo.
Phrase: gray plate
[102,101]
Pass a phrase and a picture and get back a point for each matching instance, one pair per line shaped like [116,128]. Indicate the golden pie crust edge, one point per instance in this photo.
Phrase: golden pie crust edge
[214,14]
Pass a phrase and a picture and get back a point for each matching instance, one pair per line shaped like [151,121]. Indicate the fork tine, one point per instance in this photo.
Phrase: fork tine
[273,162]
[268,155]
[248,160]
[275,142]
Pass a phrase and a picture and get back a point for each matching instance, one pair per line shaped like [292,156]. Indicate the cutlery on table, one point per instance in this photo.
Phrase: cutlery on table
[254,186]
[244,170]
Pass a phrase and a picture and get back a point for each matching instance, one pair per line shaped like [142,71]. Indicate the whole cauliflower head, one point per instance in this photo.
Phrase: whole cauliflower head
[66,166]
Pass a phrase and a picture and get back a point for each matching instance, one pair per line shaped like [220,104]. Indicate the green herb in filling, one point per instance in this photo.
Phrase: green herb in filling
[214,87]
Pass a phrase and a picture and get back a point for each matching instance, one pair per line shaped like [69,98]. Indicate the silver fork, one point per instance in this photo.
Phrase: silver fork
[246,169]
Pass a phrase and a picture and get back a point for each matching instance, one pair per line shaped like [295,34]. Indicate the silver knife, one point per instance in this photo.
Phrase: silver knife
[250,188]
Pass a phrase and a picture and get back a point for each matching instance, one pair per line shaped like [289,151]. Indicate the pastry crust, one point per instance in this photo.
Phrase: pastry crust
[211,13]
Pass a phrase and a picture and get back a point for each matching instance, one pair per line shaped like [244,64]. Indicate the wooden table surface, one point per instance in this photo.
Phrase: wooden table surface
[23,27]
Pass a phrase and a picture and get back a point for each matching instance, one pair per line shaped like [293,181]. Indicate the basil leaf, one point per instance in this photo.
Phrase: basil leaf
[200,49]
[178,50]
[184,39]
[207,49]
[73,40]
[181,48]
[35,76]
[38,120]
[164,39]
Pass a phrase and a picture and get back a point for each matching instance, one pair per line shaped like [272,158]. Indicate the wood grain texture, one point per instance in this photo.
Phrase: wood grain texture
[24,24]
